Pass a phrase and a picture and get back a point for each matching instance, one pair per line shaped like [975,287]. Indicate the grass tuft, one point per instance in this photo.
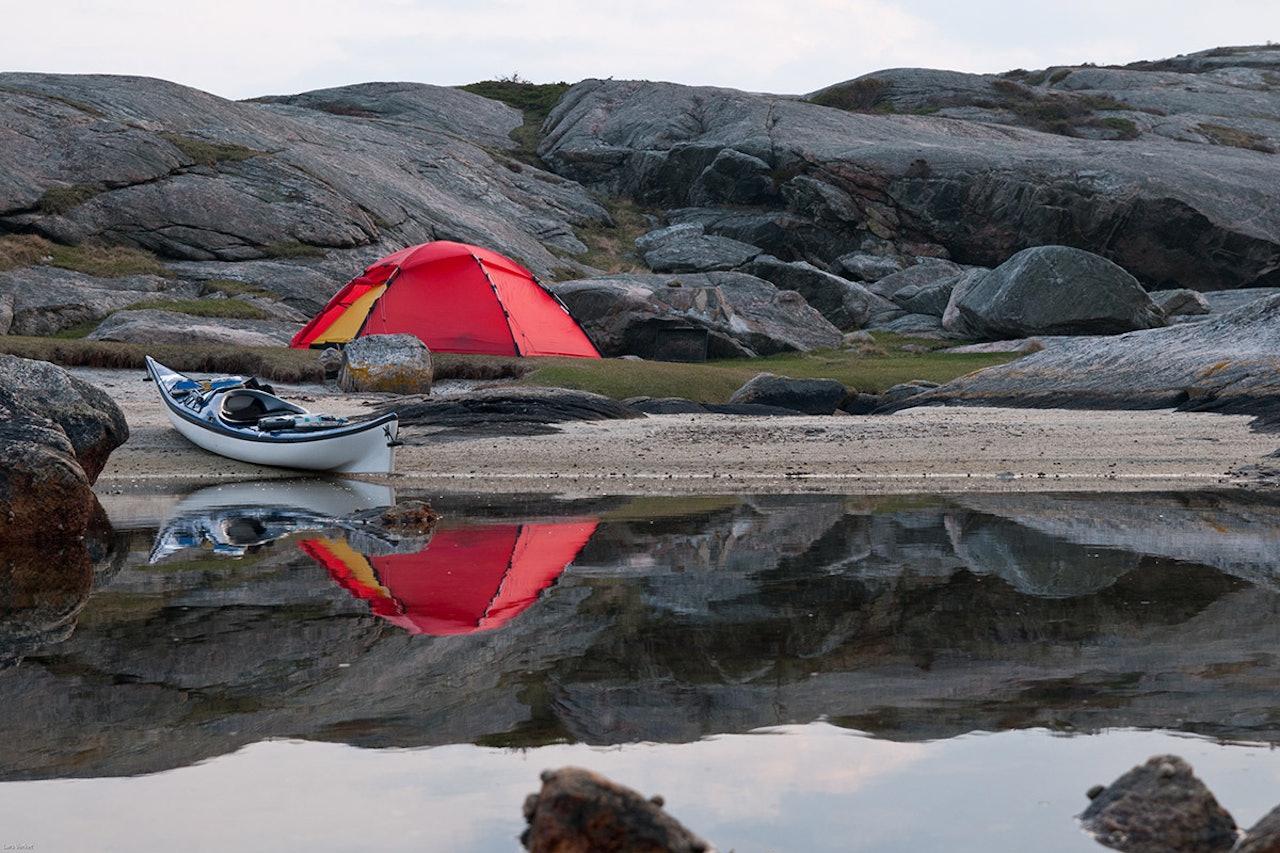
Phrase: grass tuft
[232,288]
[535,100]
[59,200]
[1236,138]
[205,153]
[232,309]
[27,250]
[611,246]
[24,250]
[865,95]
[278,364]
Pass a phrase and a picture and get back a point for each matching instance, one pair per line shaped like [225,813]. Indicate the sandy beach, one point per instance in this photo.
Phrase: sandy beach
[939,450]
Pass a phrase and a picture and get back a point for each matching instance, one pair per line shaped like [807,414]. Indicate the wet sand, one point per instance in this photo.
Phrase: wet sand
[938,450]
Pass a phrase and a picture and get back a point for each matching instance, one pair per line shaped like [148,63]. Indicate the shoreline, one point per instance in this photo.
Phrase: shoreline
[944,450]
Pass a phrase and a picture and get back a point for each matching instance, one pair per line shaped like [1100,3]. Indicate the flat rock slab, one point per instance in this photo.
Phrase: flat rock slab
[513,411]
[1227,364]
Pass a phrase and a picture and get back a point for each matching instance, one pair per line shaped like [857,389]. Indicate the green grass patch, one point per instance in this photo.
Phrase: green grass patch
[278,364]
[535,100]
[1122,127]
[480,368]
[620,379]
[232,288]
[59,200]
[24,250]
[27,250]
[611,246]
[713,382]
[232,309]
[206,153]
[109,261]
[1235,137]
[868,94]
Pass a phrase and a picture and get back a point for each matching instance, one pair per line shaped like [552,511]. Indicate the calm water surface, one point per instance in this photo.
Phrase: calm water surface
[253,667]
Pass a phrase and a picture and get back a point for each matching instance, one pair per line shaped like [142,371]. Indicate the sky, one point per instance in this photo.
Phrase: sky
[244,48]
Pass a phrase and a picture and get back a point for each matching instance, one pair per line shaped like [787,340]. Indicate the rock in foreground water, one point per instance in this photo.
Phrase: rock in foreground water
[578,810]
[1159,807]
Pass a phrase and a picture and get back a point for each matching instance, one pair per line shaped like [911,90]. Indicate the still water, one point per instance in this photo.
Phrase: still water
[253,667]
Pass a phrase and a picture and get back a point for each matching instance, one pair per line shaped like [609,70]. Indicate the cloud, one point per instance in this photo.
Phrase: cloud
[240,48]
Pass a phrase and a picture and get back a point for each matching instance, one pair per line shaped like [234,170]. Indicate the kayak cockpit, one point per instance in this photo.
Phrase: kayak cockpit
[247,406]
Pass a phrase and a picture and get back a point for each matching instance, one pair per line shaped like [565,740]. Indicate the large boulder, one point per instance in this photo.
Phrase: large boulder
[847,304]
[931,299]
[580,810]
[924,273]
[807,396]
[396,364]
[1159,807]
[687,248]
[1054,290]
[88,418]
[867,266]
[44,493]
[743,315]
[1181,302]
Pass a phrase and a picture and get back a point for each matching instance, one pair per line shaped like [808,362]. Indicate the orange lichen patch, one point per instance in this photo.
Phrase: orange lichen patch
[1216,368]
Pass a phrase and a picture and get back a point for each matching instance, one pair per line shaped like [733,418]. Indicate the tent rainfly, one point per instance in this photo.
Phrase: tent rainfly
[455,298]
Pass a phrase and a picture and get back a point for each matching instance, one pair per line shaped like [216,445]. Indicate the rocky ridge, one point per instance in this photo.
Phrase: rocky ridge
[1161,168]
[909,200]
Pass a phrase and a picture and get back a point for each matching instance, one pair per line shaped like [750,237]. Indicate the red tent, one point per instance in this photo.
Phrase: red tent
[467,579]
[455,298]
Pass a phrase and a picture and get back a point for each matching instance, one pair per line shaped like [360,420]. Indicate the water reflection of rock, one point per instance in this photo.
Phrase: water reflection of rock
[907,618]
[1237,532]
[937,618]
[44,586]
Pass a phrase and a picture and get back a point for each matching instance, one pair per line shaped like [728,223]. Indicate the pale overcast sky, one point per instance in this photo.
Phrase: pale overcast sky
[242,48]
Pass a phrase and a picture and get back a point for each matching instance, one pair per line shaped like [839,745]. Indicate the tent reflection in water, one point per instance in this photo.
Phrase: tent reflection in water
[467,579]
[454,297]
